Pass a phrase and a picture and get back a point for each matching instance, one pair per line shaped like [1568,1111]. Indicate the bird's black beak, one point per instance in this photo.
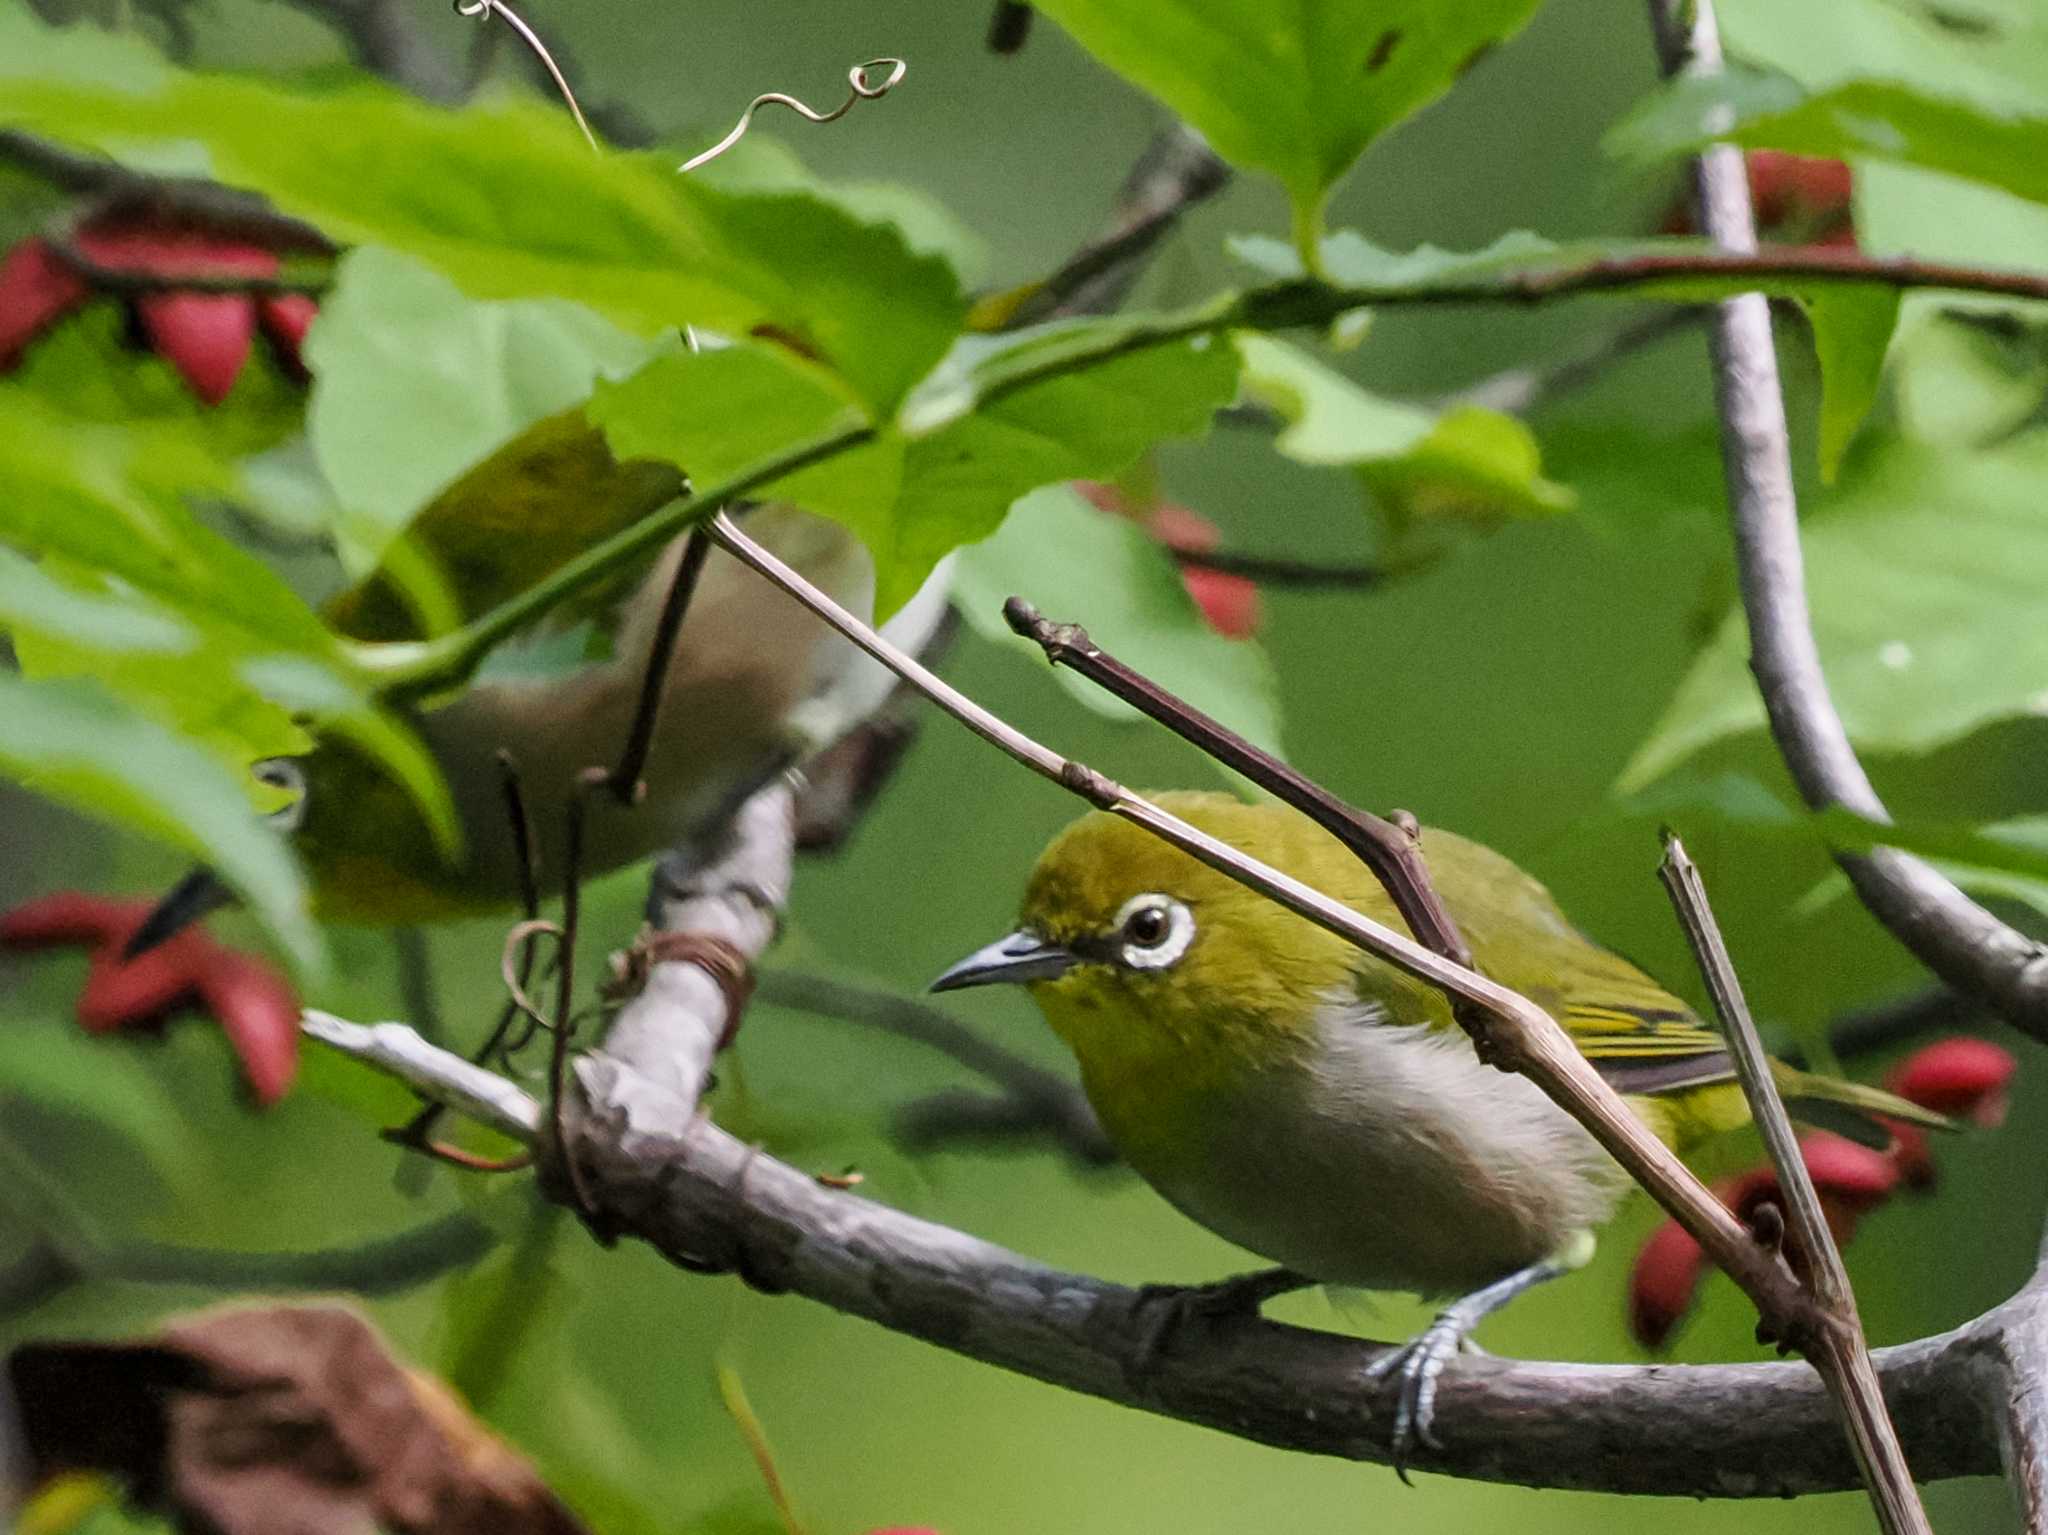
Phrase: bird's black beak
[196,895]
[1014,958]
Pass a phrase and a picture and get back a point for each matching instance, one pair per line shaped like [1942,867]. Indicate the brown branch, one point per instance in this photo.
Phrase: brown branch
[1032,1101]
[1952,935]
[1832,1337]
[1389,850]
[707,1201]
[1177,170]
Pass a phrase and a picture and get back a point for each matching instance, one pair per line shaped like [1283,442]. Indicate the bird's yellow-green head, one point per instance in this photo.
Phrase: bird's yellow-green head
[1139,955]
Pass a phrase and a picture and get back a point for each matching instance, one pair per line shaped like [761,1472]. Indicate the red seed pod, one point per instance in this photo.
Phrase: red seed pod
[285,318]
[68,918]
[259,1012]
[1664,1283]
[1854,1175]
[36,290]
[205,336]
[1229,603]
[1963,1076]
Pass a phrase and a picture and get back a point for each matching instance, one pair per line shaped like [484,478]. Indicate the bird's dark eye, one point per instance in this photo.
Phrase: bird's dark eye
[1147,926]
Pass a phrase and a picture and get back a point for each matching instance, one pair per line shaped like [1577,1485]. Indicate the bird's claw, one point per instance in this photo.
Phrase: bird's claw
[1416,1366]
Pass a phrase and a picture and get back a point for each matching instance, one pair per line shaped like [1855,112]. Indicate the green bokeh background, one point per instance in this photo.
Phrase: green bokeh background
[1498,693]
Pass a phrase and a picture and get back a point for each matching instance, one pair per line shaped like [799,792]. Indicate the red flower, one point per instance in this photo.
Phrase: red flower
[1229,604]
[254,1005]
[205,335]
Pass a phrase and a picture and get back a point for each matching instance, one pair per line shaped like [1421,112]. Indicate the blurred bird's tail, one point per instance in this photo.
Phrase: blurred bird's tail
[1853,1109]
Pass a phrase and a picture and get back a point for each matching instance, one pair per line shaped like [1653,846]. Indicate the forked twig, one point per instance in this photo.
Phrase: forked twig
[1832,1338]
[1390,851]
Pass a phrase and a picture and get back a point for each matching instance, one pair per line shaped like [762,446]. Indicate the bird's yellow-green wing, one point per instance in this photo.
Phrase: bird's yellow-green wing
[531,506]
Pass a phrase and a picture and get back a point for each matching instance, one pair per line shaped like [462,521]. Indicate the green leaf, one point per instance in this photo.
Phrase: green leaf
[1294,90]
[1922,573]
[1852,331]
[165,613]
[72,743]
[986,428]
[509,202]
[1852,323]
[1100,570]
[2002,143]
[1465,466]
[414,383]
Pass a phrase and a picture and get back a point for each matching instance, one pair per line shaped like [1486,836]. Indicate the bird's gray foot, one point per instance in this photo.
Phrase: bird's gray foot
[1417,1364]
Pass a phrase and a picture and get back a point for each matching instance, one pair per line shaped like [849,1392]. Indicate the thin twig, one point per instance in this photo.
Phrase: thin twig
[1516,391]
[1520,1036]
[627,784]
[1035,1098]
[1833,1338]
[1749,1430]
[1390,851]
[1951,934]
[1275,571]
[1177,171]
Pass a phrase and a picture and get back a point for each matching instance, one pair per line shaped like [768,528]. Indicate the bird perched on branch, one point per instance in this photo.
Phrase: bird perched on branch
[1318,1106]
[754,685]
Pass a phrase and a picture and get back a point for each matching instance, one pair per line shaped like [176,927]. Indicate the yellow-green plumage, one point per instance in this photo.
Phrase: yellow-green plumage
[1319,1106]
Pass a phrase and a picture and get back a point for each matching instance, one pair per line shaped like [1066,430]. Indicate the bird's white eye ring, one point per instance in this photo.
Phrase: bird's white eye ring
[1153,931]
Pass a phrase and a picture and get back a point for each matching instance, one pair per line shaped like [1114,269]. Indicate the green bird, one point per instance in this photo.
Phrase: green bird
[754,685]
[1321,1108]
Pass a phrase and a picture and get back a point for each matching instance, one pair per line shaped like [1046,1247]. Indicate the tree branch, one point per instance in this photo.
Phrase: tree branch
[1833,1341]
[1951,934]
[1753,1430]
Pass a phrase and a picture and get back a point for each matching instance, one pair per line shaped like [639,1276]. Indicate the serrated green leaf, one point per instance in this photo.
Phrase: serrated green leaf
[1294,90]
[1090,567]
[73,743]
[414,383]
[985,429]
[1922,573]
[509,202]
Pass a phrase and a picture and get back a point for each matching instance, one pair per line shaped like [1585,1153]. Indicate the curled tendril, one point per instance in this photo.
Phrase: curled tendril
[860,77]
[488,8]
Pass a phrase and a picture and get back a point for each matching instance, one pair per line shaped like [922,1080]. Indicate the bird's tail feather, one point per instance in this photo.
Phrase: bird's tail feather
[1853,1109]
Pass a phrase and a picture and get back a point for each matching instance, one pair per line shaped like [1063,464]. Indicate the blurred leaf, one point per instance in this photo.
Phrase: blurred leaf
[762,164]
[414,383]
[1083,566]
[1297,91]
[1921,570]
[2002,143]
[117,1091]
[1465,466]
[509,201]
[74,744]
[1852,330]
[1852,324]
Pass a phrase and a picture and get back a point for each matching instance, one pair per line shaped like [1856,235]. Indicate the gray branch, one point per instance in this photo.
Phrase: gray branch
[1952,935]
[709,1202]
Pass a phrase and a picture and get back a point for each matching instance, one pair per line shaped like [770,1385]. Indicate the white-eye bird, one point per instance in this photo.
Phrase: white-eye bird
[755,685]
[1318,1106]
